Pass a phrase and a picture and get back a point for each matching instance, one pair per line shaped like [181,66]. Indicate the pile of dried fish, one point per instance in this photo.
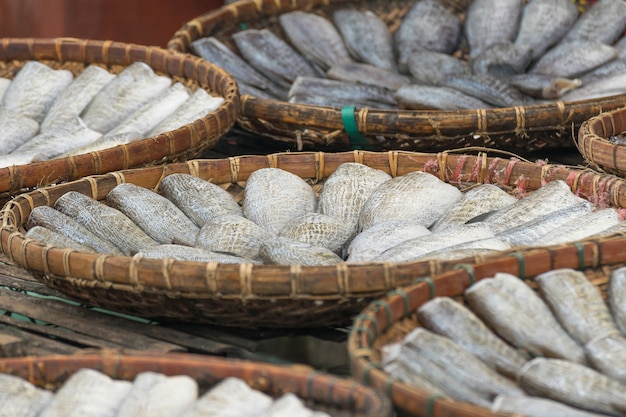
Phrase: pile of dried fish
[360,214]
[47,113]
[496,53]
[90,393]
[557,351]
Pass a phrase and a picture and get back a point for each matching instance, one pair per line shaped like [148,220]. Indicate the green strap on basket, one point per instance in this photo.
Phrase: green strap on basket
[521,264]
[470,271]
[431,285]
[405,297]
[357,140]
[430,404]
[580,249]
[366,372]
[381,303]
[362,328]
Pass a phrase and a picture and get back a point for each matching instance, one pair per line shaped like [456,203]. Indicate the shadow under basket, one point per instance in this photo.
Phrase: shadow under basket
[390,318]
[602,141]
[518,129]
[272,296]
[75,55]
[334,395]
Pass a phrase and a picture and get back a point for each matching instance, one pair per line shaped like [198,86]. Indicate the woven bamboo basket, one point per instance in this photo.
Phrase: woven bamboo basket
[601,141]
[75,55]
[334,395]
[390,318]
[308,127]
[278,296]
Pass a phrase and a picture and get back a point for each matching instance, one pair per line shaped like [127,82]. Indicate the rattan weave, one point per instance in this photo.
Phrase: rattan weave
[601,141]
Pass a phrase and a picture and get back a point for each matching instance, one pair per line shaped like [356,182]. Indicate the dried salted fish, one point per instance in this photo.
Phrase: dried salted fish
[607,354]
[537,407]
[342,91]
[213,50]
[427,26]
[549,198]
[154,214]
[20,398]
[449,318]
[542,86]
[34,88]
[491,21]
[616,297]
[532,231]
[582,227]
[577,304]
[544,23]
[366,36]
[232,234]
[198,105]
[604,21]
[188,253]
[272,56]
[574,58]
[422,246]
[373,241]
[481,199]
[319,230]
[158,395]
[417,196]
[319,100]
[52,219]
[148,116]
[201,200]
[273,197]
[431,68]
[573,384]
[87,393]
[518,315]
[284,251]
[16,130]
[289,404]
[611,68]
[19,159]
[368,74]
[426,97]
[347,189]
[487,88]
[603,87]
[73,99]
[73,133]
[4,84]
[104,143]
[620,47]
[315,37]
[502,59]
[105,222]
[231,397]
[129,90]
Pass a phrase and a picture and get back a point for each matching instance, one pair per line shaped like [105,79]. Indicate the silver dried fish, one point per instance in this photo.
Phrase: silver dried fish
[16,130]
[284,251]
[537,407]
[20,398]
[491,21]
[542,86]
[487,88]
[604,21]
[574,58]
[368,74]
[319,230]
[431,68]
[188,253]
[607,354]
[603,87]
[502,59]
[616,296]
[426,97]
[232,234]
[342,91]
[582,227]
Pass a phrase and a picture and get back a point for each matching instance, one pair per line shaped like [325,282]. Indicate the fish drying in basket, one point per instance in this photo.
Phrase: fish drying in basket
[20,398]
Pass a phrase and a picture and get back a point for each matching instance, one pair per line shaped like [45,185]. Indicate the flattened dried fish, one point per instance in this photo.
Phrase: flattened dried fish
[544,23]
[188,253]
[491,21]
[4,84]
[319,230]
[199,199]
[447,317]
[73,99]
[272,56]
[19,159]
[581,227]
[20,398]
[543,86]
[573,384]
[289,404]
[47,236]
[577,304]
[105,222]
[273,197]
[616,297]
[417,196]
[285,251]
[342,91]
[369,75]
[537,407]
[154,214]
[128,91]
[603,87]
[427,26]
[520,316]
[502,59]
[431,68]
[55,220]
[487,88]
[604,22]
[366,37]
[611,68]
[34,88]
[607,354]
[233,234]
[16,130]
[315,37]
[574,58]
[426,97]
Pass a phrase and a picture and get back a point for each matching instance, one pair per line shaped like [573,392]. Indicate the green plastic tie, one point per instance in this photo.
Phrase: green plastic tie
[430,404]
[405,297]
[431,285]
[580,249]
[357,140]
[521,264]
[366,330]
[366,372]
[369,317]
[470,271]
[243,25]
[378,304]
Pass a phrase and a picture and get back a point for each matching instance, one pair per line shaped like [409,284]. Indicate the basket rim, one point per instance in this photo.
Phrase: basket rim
[594,146]
[190,138]
[381,314]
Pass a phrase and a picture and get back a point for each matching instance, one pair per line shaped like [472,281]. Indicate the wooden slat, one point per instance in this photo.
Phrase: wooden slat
[32,344]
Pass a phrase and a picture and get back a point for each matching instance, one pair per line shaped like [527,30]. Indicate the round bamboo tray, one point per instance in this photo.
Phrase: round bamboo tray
[307,127]
[75,55]
[596,145]
[276,296]
[392,317]
[334,395]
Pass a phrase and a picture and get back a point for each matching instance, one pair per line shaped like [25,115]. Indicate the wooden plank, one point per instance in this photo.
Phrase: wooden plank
[32,344]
